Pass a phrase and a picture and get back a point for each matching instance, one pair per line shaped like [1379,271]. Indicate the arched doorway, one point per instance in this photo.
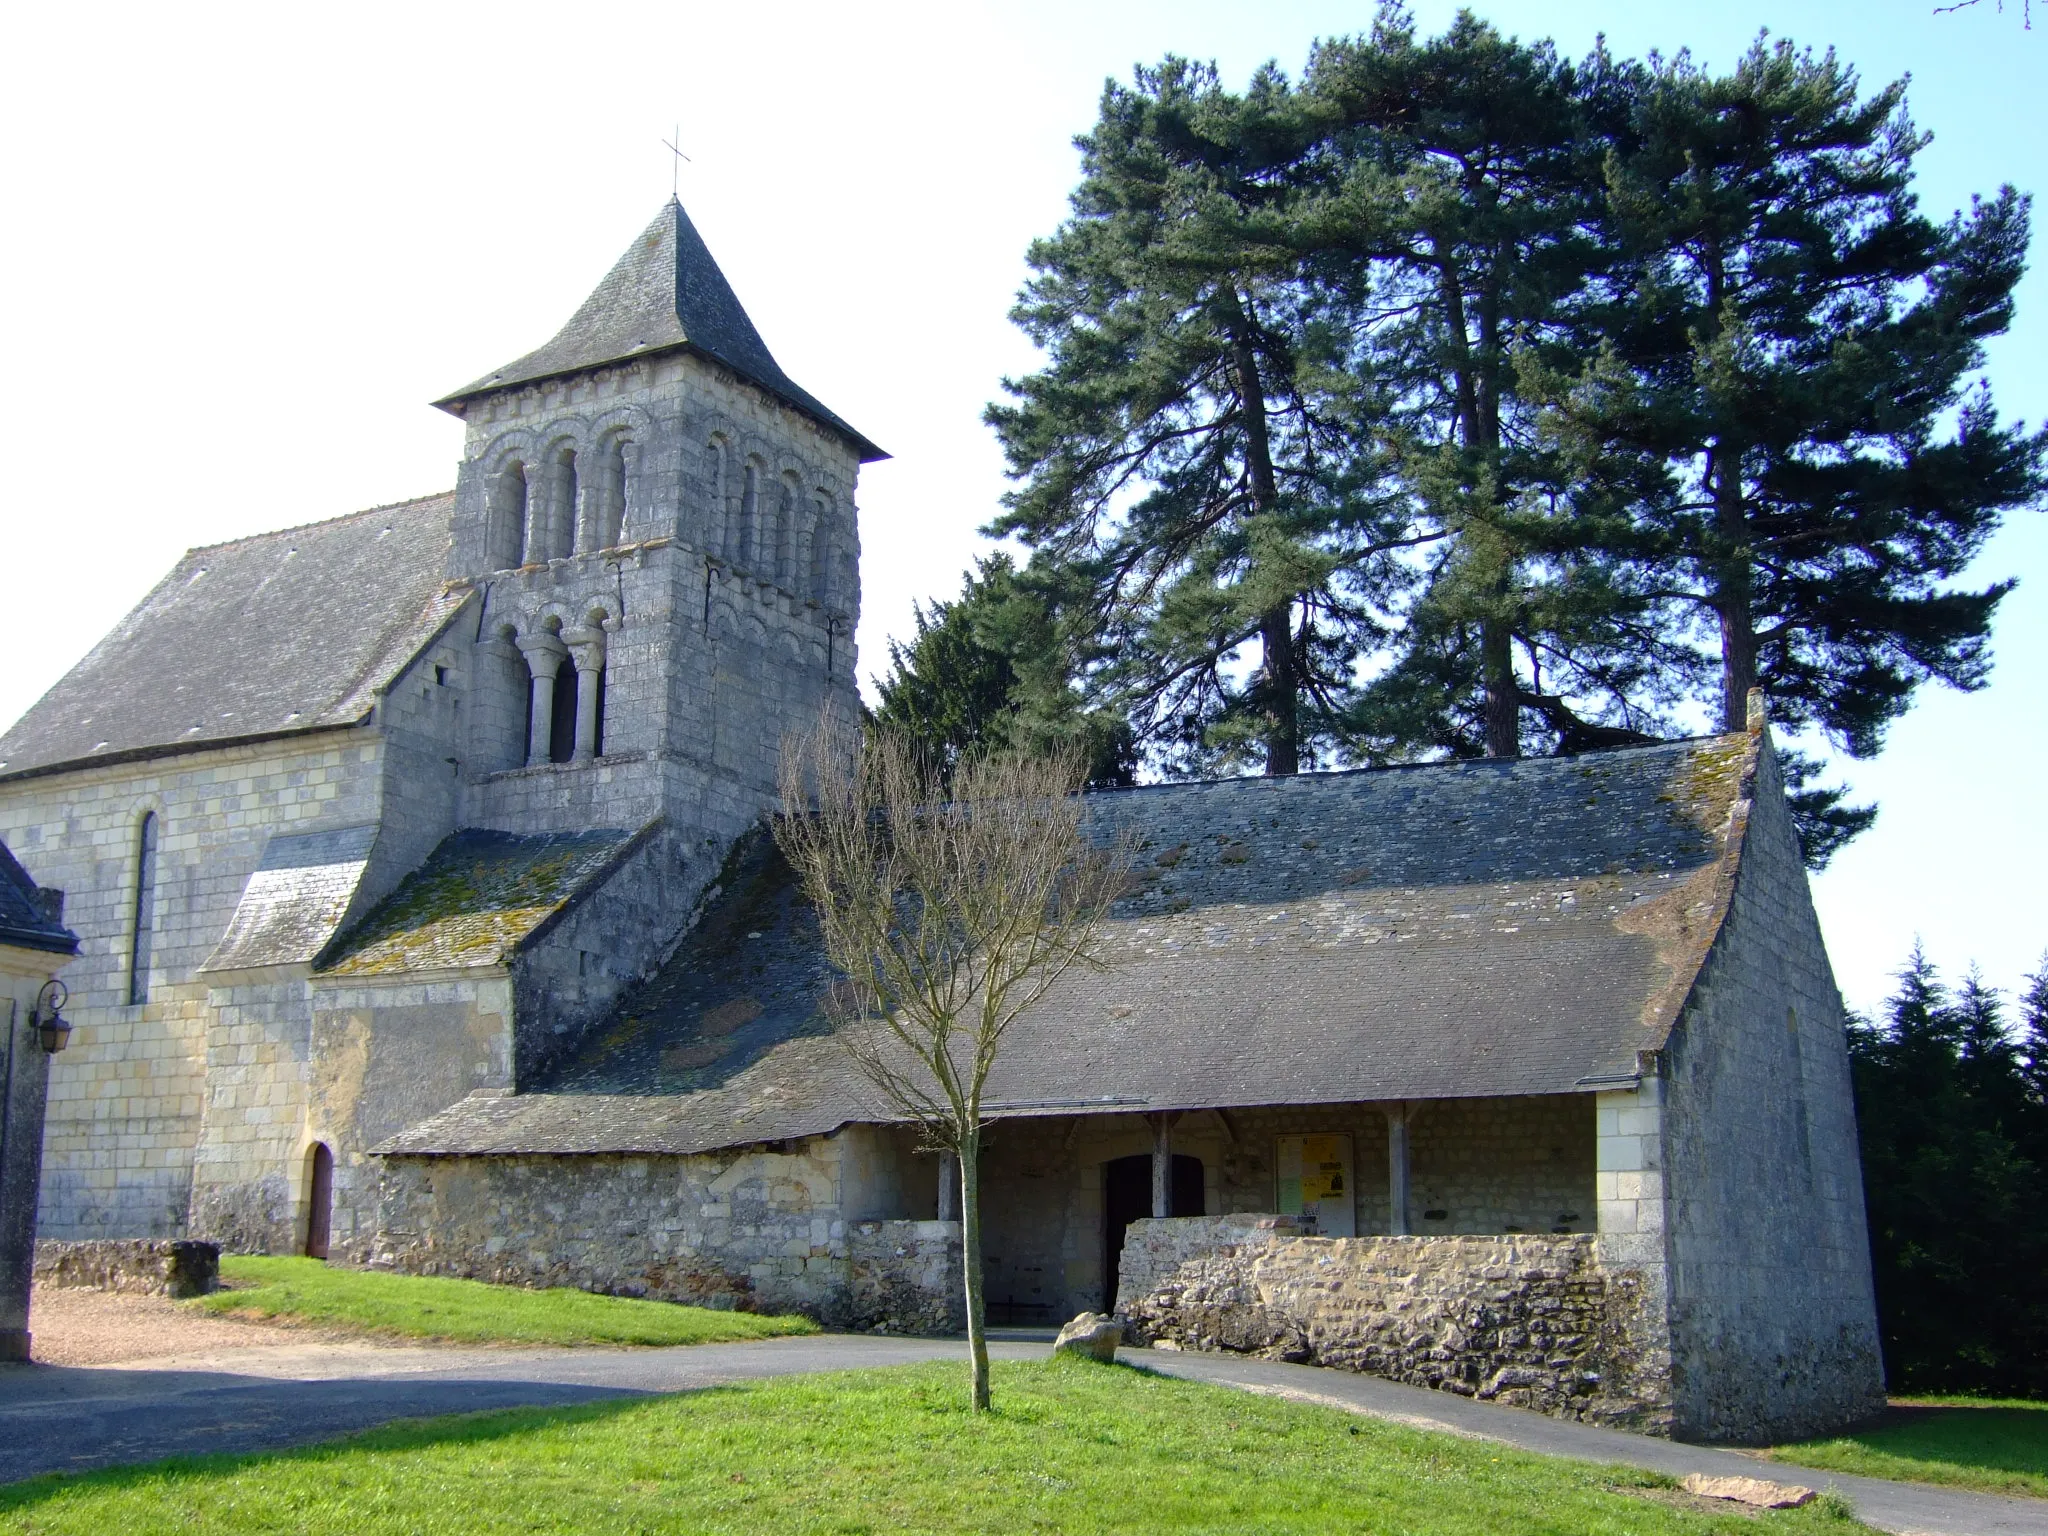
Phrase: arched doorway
[319,1198]
[1127,1196]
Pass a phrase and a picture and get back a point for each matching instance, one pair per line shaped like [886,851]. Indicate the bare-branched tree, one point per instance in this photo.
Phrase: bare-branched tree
[948,912]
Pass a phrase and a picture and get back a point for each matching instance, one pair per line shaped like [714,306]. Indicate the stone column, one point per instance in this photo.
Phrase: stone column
[1162,1166]
[949,1187]
[1397,1168]
[544,653]
[586,648]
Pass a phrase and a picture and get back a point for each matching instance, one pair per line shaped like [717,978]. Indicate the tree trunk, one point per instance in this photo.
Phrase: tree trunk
[1280,681]
[1503,693]
[1475,380]
[1731,580]
[970,1265]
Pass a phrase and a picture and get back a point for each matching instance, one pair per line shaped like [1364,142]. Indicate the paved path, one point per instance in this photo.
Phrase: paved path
[57,1418]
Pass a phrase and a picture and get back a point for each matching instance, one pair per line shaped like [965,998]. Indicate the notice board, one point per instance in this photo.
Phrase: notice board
[1315,1183]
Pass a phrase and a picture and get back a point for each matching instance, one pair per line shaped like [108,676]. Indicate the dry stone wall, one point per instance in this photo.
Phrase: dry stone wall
[906,1277]
[1531,1321]
[137,1266]
[758,1229]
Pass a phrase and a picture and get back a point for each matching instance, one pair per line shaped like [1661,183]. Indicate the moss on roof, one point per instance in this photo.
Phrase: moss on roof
[478,896]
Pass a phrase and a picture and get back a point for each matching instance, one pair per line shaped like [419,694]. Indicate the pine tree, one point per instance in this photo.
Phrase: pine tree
[1794,343]
[1188,460]
[1466,179]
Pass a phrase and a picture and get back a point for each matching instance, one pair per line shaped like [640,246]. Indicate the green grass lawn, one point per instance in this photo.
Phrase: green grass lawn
[1071,1447]
[1997,1446]
[411,1306]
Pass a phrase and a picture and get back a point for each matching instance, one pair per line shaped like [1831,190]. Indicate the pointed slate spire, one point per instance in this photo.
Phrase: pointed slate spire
[665,292]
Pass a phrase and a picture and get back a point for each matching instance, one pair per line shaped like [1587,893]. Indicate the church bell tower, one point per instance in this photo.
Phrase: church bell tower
[660,527]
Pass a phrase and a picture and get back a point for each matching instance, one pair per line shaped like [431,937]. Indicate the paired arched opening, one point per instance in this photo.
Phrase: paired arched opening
[565,690]
[319,1198]
[142,923]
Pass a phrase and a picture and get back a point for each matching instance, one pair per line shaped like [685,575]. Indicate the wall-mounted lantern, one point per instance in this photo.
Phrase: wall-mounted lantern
[49,1018]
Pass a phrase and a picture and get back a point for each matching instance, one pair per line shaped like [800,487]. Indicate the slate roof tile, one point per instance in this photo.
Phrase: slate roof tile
[1462,929]
[666,291]
[342,606]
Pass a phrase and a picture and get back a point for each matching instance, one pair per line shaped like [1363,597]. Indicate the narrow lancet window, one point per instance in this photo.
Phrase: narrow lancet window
[747,545]
[785,537]
[507,524]
[714,497]
[821,551]
[562,724]
[608,512]
[145,911]
[561,507]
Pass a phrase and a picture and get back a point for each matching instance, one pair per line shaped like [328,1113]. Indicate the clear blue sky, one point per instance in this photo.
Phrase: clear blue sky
[249,243]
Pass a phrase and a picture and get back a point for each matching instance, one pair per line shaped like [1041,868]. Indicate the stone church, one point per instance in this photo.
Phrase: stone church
[427,920]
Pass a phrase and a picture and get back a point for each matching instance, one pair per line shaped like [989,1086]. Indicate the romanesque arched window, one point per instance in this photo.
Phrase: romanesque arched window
[821,551]
[558,522]
[608,495]
[713,538]
[785,534]
[747,546]
[143,927]
[562,724]
[506,525]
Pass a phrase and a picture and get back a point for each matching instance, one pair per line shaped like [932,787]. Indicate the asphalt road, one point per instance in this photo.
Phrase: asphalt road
[69,1419]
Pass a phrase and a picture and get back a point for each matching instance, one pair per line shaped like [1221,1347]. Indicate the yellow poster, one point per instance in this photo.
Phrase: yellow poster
[1313,1175]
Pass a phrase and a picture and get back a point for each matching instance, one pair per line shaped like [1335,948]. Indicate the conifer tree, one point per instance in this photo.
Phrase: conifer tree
[1188,460]
[1794,343]
[1466,182]
[1956,1189]
[987,672]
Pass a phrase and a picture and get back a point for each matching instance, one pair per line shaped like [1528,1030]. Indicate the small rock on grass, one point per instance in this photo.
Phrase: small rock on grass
[1748,1490]
[1092,1335]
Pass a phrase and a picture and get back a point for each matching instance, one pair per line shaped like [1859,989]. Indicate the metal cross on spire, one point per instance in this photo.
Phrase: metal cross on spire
[675,178]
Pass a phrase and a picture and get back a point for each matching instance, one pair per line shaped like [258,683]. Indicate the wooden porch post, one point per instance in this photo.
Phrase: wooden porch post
[949,1187]
[1397,1167]
[1162,1166]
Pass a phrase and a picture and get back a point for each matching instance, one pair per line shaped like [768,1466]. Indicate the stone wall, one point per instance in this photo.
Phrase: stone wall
[763,1229]
[1773,1318]
[124,1115]
[137,1266]
[906,1277]
[568,977]
[1528,1321]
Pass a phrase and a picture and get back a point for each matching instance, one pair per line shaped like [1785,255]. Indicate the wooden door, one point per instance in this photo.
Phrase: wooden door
[319,1199]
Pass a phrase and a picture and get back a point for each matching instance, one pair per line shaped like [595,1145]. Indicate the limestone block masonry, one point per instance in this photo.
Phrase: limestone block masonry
[755,1229]
[1531,1321]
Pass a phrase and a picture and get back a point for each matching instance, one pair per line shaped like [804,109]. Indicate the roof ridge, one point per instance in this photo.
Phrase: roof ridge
[318,522]
[1447,762]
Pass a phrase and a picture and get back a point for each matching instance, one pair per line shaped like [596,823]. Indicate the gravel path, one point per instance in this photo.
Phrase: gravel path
[187,1384]
[70,1325]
